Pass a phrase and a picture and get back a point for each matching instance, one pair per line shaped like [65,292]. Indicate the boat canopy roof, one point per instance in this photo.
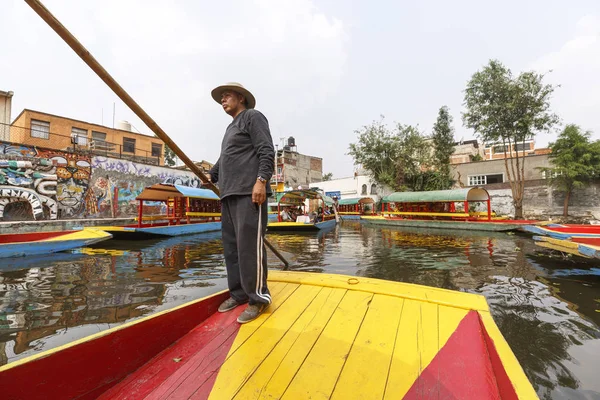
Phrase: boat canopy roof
[440,196]
[299,196]
[356,200]
[162,191]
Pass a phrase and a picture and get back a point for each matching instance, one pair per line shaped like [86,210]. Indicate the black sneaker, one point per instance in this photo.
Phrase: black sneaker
[228,305]
[252,312]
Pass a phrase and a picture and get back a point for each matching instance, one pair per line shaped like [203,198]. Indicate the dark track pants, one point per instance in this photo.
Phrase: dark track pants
[243,226]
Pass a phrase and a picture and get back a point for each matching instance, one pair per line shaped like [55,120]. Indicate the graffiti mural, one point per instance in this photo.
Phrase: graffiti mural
[29,186]
[73,172]
[41,184]
[121,181]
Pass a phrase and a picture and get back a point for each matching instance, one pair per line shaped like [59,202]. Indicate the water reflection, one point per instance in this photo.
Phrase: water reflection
[546,305]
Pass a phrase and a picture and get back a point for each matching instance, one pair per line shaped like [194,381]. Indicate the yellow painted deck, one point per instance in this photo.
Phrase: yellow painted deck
[331,337]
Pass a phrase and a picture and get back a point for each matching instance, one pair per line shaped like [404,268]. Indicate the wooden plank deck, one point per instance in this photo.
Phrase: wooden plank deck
[322,341]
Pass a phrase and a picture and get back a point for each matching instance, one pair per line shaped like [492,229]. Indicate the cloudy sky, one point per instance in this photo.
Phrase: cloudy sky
[319,69]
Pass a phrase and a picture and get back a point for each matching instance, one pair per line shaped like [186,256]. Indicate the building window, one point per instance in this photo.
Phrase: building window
[499,149]
[550,174]
[156,149]
[128,145]
[99,136]
[523,147]
[373,189]
[79,136]
[364,189]
[477,180]
[40,129]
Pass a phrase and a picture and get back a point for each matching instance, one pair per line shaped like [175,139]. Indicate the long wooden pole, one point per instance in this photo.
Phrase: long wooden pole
[103,74]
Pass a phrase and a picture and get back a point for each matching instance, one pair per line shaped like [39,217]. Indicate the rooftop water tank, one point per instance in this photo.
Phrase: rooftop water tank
[291,141]
[124,126]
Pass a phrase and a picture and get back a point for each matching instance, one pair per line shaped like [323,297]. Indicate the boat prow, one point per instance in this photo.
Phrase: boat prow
[324,336]
[38,243]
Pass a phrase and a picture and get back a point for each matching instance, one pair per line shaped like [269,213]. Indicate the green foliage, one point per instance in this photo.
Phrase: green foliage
[575,160]
[508,110]
[169,156]
[327,176]
[399,158]
[475,157]
[443,146]
[376,150]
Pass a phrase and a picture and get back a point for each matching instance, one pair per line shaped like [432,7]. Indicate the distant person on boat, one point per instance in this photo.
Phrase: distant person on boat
[285,215]
[243,172]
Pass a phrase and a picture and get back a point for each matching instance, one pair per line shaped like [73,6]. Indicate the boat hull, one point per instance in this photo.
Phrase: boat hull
[58,243]
[300,227]
[437,224]
[346,217]
[134,233]
[366,334]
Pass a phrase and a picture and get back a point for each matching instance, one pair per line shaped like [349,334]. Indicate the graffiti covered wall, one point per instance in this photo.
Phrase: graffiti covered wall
[121,181]
[38,184]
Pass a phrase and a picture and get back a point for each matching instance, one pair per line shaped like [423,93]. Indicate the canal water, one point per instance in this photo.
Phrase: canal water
[546,305]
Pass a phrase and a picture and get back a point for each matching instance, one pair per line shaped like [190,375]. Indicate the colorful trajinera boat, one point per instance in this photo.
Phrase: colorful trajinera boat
[447,209]
[188,211]
[324,336]
[297,199]
[355,207]
[36,243]
[580,240]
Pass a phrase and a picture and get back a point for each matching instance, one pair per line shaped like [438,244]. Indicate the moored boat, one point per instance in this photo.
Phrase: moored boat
[438,209]
[36,243]
[353,208]
[583,247]
[566,232]
[304,221]
[188,211]
[324,336]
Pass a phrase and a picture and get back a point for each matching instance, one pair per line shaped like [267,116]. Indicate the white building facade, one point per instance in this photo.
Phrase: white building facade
[353,187]
[5,110]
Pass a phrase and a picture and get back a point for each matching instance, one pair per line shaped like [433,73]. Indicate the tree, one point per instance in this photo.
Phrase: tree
[398,158]
[443,146]
[508,110]
[377,150]
[575,160]
[327,176]
[169,156]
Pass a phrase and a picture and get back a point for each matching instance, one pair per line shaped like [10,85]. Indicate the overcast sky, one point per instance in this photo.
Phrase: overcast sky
[319,69]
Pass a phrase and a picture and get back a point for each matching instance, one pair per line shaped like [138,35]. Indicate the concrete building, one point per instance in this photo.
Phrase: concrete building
[294,169]
[490,172]
[5,111]
[360,185]
[495,151]
[35,128]
[464,151]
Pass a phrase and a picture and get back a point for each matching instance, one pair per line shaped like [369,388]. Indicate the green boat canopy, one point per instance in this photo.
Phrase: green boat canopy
[356,200]
[438,196]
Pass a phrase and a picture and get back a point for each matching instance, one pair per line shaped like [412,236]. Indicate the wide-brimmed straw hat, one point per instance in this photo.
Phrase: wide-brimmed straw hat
[235,87]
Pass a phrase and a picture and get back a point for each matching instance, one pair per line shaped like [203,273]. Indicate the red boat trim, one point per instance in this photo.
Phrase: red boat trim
[467,367]
[85,368]
[30,237]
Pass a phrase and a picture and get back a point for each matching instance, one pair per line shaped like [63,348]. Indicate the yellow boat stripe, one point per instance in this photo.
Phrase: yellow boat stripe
[365,373]
[273,376]
[427,294]
[242,363]
[317,375]
[279,295]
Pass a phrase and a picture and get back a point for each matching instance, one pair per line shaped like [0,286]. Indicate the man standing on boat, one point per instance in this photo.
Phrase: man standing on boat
[243,172]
